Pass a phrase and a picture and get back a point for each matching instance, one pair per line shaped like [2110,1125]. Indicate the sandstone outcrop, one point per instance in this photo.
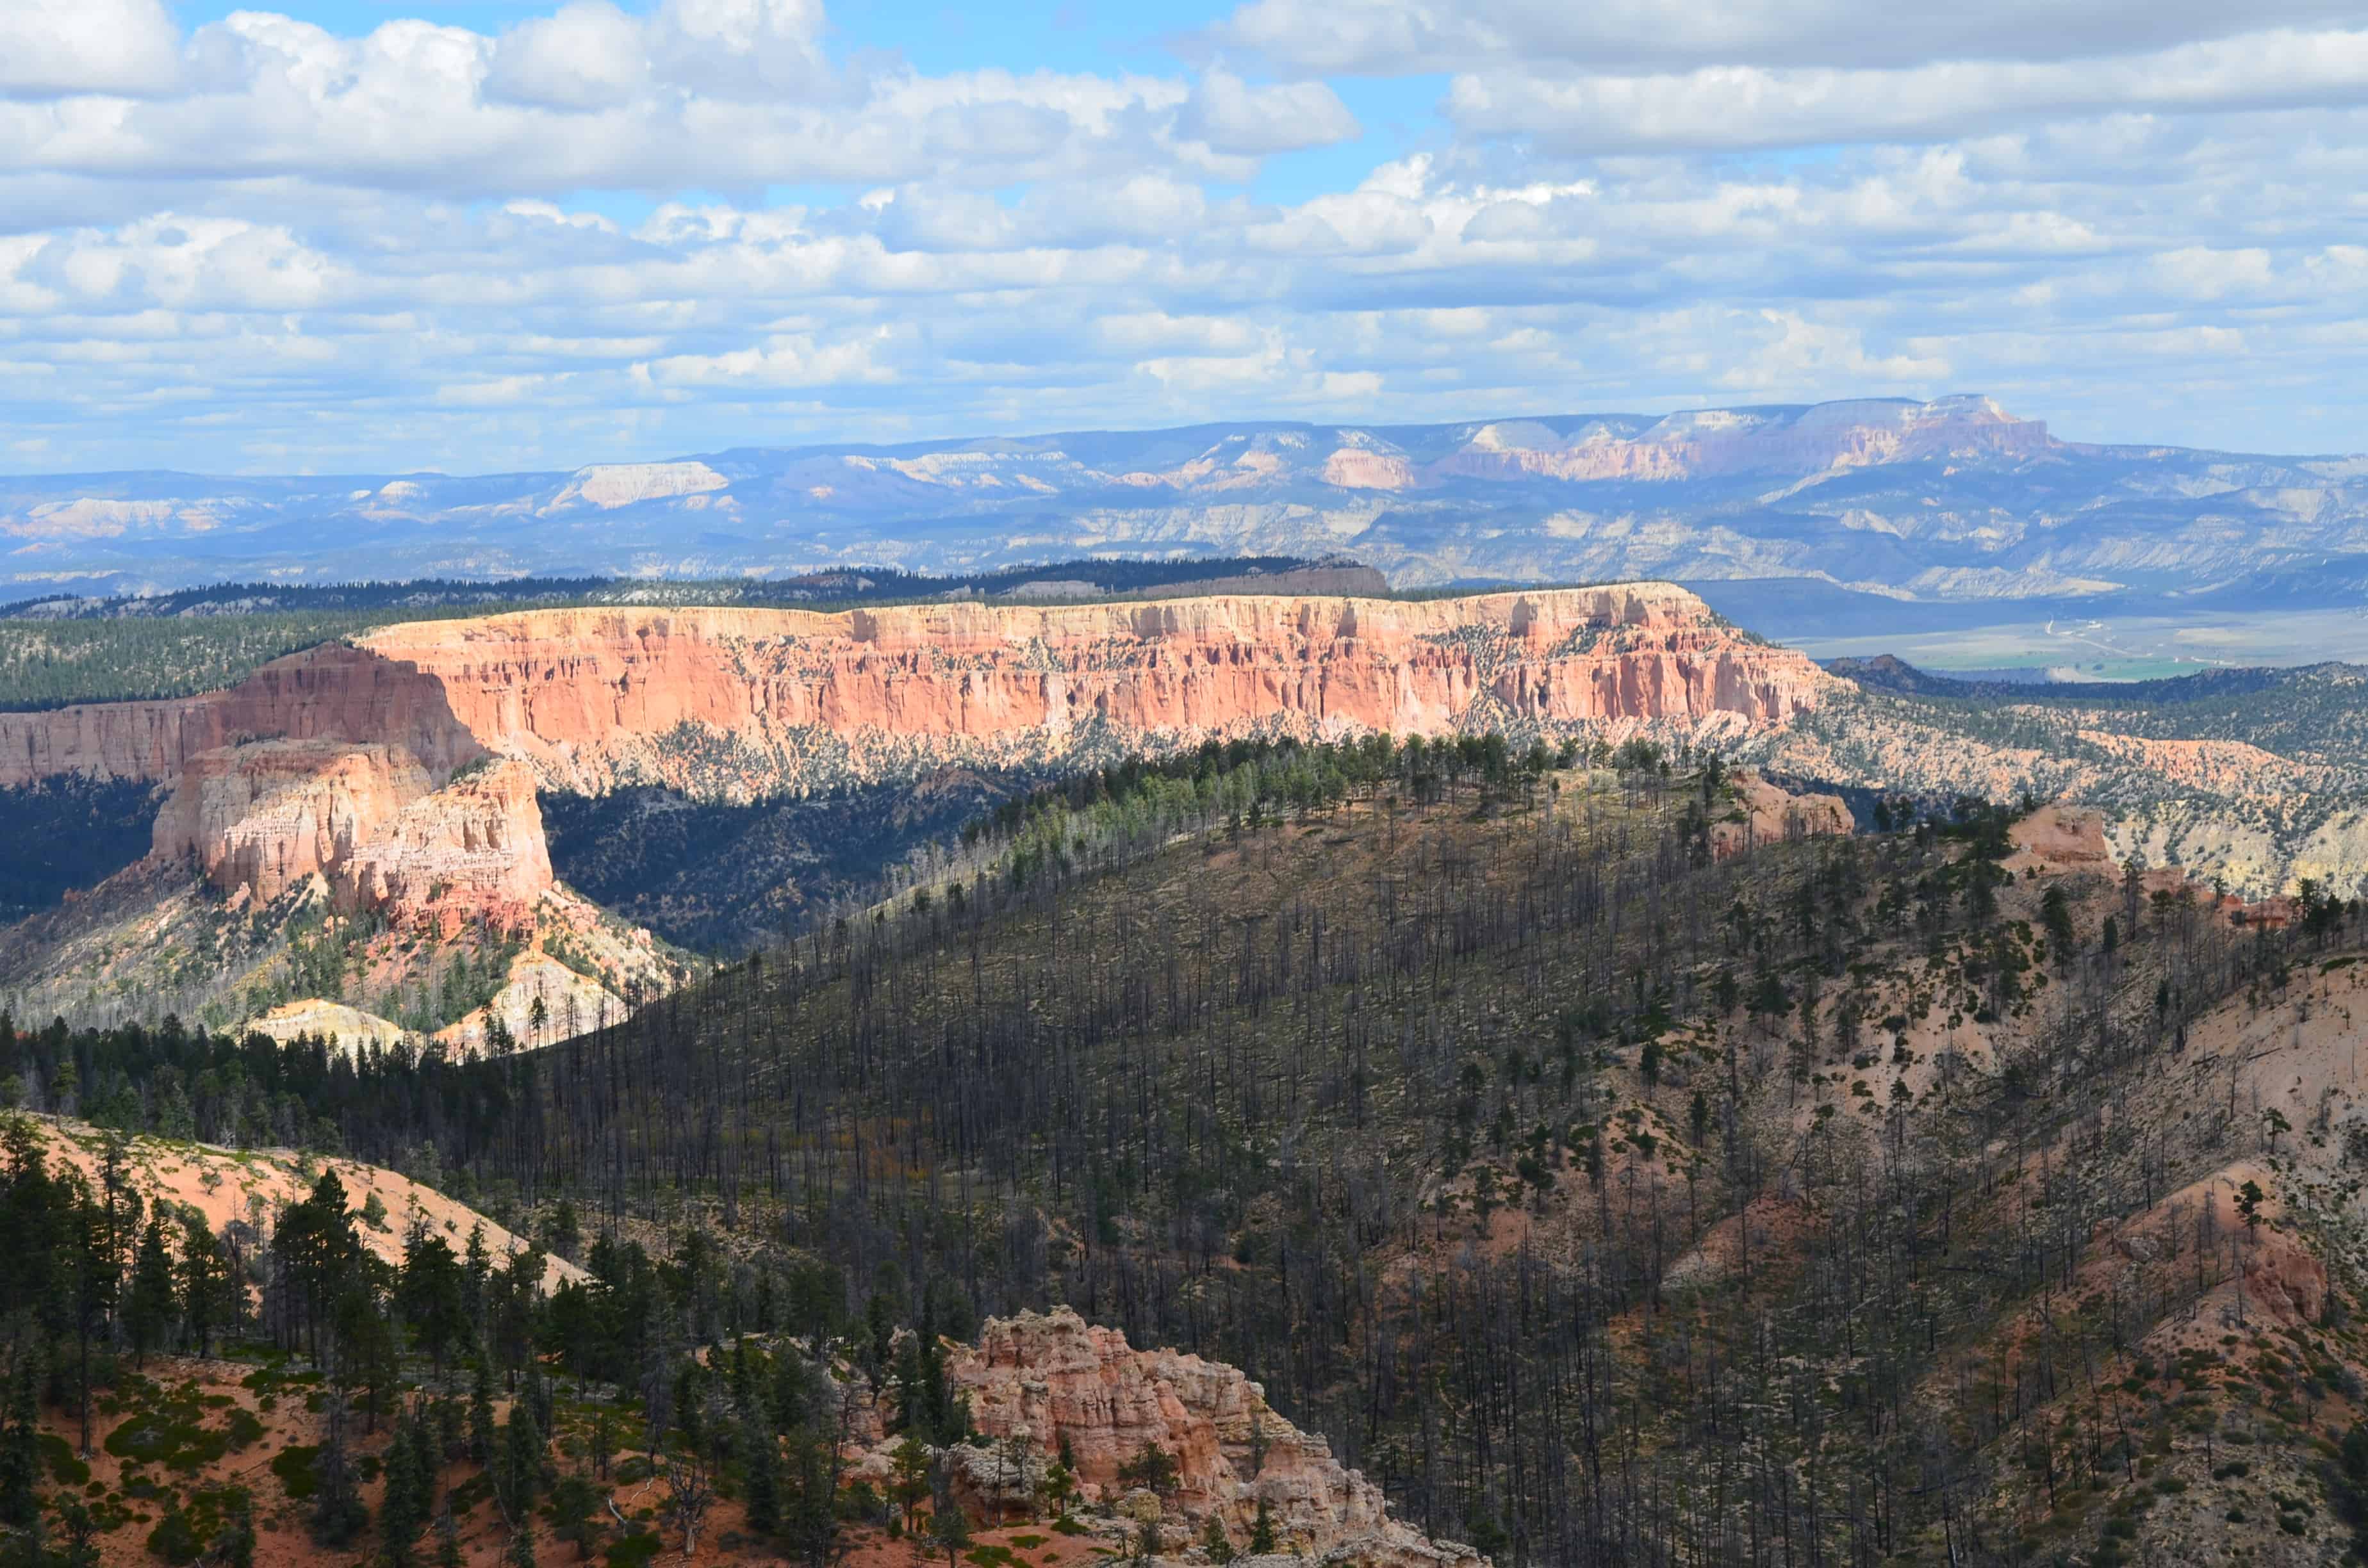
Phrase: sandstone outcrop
[737,701]
[2062,837]
[267,817]
[402,771]
[473,848]
[571,1001]
[330,693]
[346,1029]
[730,702]
[1057,1380]
[1767,813]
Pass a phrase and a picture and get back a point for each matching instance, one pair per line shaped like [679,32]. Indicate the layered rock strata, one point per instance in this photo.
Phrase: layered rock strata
[1057,1380]
[334,762]
[330,693]
[367,820]
[735,701]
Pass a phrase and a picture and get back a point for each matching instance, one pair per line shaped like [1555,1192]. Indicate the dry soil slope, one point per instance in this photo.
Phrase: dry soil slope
[255,1184]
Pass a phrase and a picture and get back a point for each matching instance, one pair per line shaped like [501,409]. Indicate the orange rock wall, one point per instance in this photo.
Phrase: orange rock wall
[589,696]
[475,847]
[332,692]
[268,815]
[329,762]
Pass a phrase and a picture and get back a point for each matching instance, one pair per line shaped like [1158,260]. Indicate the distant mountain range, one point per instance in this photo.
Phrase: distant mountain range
[1951,500]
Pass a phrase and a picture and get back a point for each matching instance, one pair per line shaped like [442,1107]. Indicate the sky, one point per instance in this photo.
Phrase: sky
[479,235]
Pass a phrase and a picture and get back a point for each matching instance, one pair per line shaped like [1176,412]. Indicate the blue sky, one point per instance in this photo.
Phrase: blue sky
[479,234]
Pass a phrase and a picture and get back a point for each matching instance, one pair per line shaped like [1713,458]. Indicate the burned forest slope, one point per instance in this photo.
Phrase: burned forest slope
[1596,1175]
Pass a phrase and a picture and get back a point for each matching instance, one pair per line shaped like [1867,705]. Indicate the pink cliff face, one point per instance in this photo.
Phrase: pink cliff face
[329,693]
[1057,1379]
[474,849]
[334,762]
[590,696]
[268,816]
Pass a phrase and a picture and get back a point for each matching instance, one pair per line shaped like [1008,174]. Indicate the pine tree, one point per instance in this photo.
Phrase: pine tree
[908,1470]
[20,1452]
[210,1298]
[422,1451]
[97,1263]
[812,1508]
[480,1415]
[403,1511]
[433,1295]
[572,1505]
[1262,1532]
[520,1474]
[950,1529]
[448,1542]
[339,1514]
[521,1552]
[153,1305]
[82,1538]
[910,1376]
[797,1394]
[744,1378]
[31,1545]
[764,1474]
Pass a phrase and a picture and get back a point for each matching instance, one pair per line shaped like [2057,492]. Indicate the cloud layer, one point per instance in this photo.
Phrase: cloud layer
[263,244]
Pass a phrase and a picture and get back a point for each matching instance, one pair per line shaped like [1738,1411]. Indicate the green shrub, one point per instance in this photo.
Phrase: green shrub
[168,1432]
[293,1466]
[175,1539]
[633,1551]
[64,1467]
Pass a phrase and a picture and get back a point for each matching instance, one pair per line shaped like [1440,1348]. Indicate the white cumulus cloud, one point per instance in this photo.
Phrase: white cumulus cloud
[619,229]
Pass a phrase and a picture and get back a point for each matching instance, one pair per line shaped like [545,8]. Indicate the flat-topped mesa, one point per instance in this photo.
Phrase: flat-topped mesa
[332,762]
[332,692]
[738,701]
[268,816]
[1056,1379]
[1714,442]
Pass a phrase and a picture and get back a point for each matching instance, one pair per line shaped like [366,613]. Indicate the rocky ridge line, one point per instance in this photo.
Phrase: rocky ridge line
[728,702]
[1057,1380]
[734,702]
